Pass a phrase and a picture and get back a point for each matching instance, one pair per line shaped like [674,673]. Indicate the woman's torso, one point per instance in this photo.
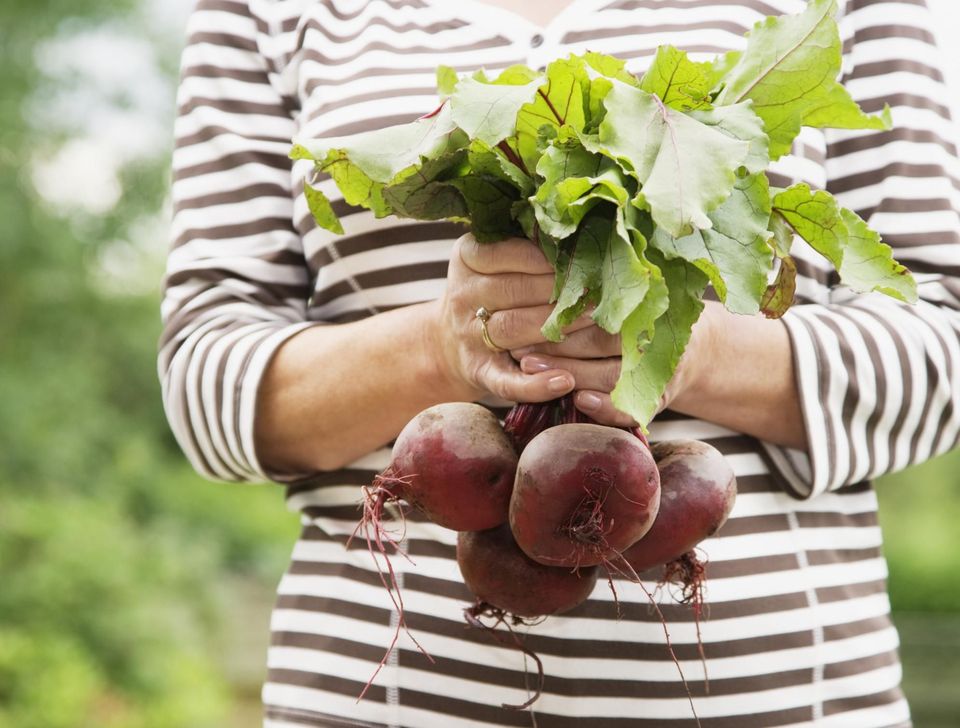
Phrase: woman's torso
[797,629]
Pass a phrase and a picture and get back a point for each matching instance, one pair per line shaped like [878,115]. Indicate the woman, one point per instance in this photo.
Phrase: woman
[294,355]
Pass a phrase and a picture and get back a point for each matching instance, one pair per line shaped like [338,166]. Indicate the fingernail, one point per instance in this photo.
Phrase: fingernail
[535,364]
[588,401]
[558,384]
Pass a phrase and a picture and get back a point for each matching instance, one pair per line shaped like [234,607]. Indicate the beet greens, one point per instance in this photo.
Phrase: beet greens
[641,192]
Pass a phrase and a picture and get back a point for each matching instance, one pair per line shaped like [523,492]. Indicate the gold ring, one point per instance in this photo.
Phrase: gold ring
[483,315]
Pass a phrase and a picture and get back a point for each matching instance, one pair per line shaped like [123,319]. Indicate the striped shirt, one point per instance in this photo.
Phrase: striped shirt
[798,629]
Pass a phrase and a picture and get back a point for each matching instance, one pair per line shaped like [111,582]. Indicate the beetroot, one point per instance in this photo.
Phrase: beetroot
[697,492]
[583,494]
[510,587]
[498,573]
[454,463]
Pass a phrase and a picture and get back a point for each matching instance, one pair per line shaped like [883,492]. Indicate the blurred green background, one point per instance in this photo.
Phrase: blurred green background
[132,593]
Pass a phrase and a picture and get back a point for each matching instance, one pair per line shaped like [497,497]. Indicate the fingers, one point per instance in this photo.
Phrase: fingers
[510,290]
[595,379]
[519,327]
[590,374]
[589,342]
[514,255]
[599,406]
[501,377]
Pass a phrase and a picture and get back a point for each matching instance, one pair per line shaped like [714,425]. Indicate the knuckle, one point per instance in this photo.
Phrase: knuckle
[533,257]
[499,388]
[468,248]
[610,373]
[509,324]
[456,295]
[509,288]
[598,337]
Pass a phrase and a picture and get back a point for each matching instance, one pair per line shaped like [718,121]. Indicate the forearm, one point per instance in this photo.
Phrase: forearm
[747,382]
[333,393]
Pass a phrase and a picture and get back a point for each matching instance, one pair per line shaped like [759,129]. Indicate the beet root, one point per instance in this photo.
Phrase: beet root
[583,494]
[697,492]
[456,465]
[498,573]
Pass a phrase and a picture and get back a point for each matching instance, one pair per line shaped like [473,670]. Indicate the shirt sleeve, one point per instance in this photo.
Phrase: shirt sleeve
[879,381]
[236,285]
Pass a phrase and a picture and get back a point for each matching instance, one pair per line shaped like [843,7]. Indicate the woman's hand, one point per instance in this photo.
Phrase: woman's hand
[513,280]
[592,356]
[737,371]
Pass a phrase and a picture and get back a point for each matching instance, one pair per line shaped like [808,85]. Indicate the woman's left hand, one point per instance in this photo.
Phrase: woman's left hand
[592,356]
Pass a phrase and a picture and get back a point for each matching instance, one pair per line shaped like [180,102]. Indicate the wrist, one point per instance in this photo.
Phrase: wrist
[699,364]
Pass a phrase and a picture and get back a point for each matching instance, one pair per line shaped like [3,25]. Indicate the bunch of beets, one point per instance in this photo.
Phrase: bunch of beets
[544,501]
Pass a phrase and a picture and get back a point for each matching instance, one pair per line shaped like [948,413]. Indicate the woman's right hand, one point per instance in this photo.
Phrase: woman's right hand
[513,280]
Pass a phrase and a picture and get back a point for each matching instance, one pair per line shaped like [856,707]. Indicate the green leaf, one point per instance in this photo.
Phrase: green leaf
[720,66]
[626,276]
[447,80]
[649,363]
[815,217]
[298,151]
[488,111]
[522,212]
[685,168]
[489,202]
[863,261]
[781,240]
[357,187]
[739,121]
[779,295]
[486,160]
[559,101]
[321,209]
[610,67]
[425,195]
[733,252]
[838,110]
[868,264]
[680,83]
[574,181]
[789,70]
[381,154]
[579,281]
[518,75]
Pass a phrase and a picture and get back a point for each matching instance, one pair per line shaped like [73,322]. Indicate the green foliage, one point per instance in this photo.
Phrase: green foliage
[114,555]
[919,512]
[840,236]
[789,71]
[675,162]
[104,606]
[734,252]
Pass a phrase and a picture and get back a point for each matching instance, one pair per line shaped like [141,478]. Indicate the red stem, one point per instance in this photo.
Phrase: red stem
[513,156]
[553,110]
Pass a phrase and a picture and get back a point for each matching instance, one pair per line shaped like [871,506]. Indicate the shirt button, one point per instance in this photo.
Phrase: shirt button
[536,41]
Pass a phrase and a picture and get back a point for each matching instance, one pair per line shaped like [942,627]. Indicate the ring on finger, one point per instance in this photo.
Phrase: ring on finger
[483,315]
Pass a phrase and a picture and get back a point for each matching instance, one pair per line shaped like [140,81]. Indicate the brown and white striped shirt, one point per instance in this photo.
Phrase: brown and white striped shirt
[798,629]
